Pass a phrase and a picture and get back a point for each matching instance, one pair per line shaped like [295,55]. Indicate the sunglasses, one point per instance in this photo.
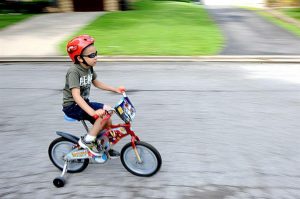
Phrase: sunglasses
[92,55]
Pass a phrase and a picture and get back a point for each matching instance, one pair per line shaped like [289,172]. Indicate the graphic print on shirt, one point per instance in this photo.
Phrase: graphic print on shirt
[85,85]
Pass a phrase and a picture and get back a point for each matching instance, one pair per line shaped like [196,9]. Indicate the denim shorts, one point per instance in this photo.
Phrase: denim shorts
[74,111]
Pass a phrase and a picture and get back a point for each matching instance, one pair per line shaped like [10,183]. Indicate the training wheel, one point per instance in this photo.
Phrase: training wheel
[59,182]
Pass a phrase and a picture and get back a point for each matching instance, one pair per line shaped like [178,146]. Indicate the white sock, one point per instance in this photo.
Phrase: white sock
[89,138]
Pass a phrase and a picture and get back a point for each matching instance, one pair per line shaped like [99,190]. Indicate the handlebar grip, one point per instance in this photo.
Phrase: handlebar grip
[95,116]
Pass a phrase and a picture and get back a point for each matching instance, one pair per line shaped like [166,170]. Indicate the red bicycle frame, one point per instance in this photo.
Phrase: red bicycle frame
[116,133]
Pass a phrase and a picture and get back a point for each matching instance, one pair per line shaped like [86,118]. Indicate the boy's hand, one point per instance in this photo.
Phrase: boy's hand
[121,89]
[99,113]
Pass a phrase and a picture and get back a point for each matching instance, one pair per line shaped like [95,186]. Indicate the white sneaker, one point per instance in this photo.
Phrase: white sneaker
[91,146]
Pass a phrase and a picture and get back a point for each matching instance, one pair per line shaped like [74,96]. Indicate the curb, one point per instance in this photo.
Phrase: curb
[219,58]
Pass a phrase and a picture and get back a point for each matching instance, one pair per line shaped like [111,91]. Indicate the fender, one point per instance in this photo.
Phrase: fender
[68,136]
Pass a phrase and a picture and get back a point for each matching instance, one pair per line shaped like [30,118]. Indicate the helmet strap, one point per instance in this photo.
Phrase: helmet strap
[85,61]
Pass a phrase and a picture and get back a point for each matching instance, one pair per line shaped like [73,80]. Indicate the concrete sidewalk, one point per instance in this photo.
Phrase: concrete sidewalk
[41,34]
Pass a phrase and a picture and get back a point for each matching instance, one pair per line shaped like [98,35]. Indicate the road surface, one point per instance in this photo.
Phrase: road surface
[224,130]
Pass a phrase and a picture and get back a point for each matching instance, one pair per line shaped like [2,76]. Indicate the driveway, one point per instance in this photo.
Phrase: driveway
[247,33]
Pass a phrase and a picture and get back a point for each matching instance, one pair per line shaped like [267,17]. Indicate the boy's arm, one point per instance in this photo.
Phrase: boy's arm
[80,101]
[103,86]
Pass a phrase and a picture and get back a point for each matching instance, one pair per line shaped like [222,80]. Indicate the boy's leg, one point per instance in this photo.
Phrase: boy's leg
[88,140]
[97,127]
[97,124]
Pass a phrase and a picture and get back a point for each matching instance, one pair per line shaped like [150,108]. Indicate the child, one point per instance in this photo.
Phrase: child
[79,78]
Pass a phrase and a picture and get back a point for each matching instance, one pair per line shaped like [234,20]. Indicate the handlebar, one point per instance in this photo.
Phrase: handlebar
[108,113]
[112,110]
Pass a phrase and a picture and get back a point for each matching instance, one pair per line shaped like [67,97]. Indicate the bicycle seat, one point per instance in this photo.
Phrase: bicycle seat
[69,119]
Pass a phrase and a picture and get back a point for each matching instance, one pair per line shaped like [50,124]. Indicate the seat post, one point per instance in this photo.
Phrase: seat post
[85,126]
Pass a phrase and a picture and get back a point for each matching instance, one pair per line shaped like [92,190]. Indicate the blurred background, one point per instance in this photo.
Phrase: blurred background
[225,130]
[151,27]
[39,6]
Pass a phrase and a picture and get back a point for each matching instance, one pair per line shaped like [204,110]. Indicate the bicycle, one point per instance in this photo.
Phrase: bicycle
[138,157]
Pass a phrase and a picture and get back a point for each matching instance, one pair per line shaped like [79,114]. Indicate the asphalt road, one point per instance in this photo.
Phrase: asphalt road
[224,130]
[247,33]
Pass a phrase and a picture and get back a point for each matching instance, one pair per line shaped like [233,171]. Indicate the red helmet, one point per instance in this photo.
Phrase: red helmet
[77,44]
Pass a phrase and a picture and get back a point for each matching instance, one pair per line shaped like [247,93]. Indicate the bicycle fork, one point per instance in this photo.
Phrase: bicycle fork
[133,140]
[137,154]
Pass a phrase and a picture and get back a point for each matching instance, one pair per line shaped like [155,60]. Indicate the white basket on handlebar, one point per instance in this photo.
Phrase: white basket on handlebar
[125,110]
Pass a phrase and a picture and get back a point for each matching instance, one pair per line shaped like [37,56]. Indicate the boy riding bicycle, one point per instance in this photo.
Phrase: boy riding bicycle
[76,92]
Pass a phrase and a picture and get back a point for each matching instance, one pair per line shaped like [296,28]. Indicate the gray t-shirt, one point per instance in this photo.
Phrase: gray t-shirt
[78,77]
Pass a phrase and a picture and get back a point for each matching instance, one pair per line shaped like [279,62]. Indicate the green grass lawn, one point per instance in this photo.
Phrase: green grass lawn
[292,12]
[156,28]
[9,19]
[290,27]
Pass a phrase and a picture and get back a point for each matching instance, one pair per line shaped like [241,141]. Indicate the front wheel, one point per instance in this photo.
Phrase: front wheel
[151,159]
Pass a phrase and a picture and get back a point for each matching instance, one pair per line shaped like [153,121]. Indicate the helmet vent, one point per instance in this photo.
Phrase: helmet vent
[72,49]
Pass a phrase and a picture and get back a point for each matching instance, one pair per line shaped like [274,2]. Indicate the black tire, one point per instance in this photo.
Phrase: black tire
[127,151]
[59,182]
[84,162]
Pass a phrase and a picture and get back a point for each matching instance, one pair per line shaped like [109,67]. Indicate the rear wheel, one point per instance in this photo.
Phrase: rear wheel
[57,151]
[151,159]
